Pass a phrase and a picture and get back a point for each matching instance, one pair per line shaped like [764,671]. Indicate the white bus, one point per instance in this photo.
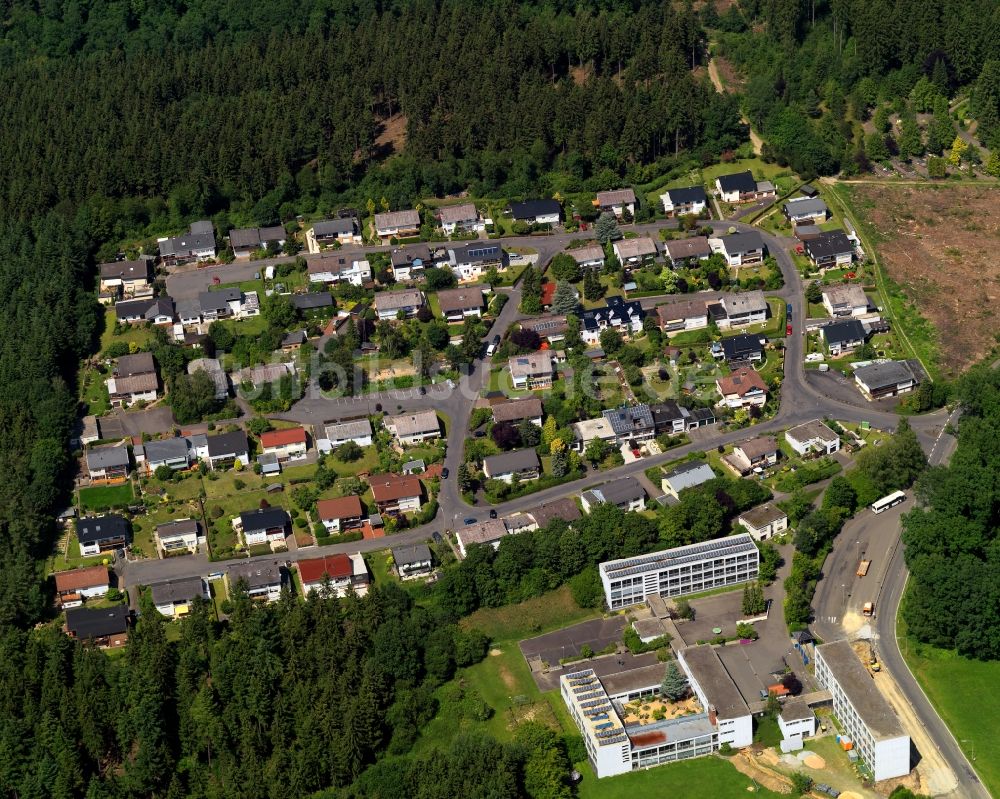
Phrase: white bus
[888,502]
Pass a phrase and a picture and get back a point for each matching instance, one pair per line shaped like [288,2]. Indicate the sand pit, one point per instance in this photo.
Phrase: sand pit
[495,652]
[814,761]
[850,795]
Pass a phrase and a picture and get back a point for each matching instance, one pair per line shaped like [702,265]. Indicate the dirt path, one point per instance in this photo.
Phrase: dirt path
[746,764]
[713,74]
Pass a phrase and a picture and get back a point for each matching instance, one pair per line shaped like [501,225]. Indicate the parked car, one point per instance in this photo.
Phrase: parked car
[470,520]
[493,513]
[437,537]
[444,473]
[788,330]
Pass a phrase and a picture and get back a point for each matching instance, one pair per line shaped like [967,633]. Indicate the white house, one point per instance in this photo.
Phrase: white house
[177,536]
[521,462]
[246,241]
[683,315]
[796,721]
[740,187]
[537,212]
[337,268]
[173,598]
[589,257]
[740,249]
[285,445]
[332,231]
[413,428]
[397,224]
[683,202]
[262,526]
[262,579]
[75,586]
[742,388]
[847,299]
[198,244]
[358,430]
[813,436]
[389,304]
[632,252]
[341,513]
[764,521]
[341,572]
[457,218]
[472,261]
[617,201]
[687,475]
[488,533]
[532,371]
[626,493]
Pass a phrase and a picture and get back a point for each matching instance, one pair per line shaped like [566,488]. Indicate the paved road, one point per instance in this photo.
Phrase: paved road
[840,594]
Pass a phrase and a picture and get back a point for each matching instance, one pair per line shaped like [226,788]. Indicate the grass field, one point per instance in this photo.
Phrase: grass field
[958,688]
[97,497]
[137,334]
[701,778]
[532,617]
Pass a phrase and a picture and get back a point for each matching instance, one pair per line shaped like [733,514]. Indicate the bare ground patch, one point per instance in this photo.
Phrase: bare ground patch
[392,135]
[938,244]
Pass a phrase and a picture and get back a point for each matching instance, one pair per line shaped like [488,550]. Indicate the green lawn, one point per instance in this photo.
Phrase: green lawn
[94,392]
[700,778]
[138,334]
[958,687]
[99,497]
[529,618]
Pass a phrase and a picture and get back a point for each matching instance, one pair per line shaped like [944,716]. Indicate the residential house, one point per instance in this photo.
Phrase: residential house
[213,368]
[268,373]
[246,241]
[888,379]
[739,310]
[796,721]
[757,453]
[293,341]
[77,585]
[743,388]
[687,201]
[807,232]
[689,314]
[108,464]
[173,598]
[189,312]
[487,533]
[181,535]
[740,187]
[472,261]
[457,304]
[532,371]
[228,303]
[764,522]
[155,310]
[411,561]
[846,299]
[342,513]
[329,232]
[589,257]
[805,210]
[635,252]
[125,277]
[589,430]
[409,264]
[262,580]
[550,328]
[173,453]
[460,218]
[285,445]
[336,268]
[537,212]
[395,493]
[397,224]
[626,493]
[262,526]
[631,424]
[341,572]
[669,417]
[740,249]
[413,428]
[106,628]
[198,244]
[617,201]
[313,303]
[843,336]
[97,534]
[565,509]
[617,314]
[390,304]
[681,252]
[521,462]
[518,410]
[687,475]
[357,430]
[812,436]
[742,348]
[830,250]
[225,449]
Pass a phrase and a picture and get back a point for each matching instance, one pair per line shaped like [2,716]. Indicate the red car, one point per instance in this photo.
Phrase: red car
[788,330]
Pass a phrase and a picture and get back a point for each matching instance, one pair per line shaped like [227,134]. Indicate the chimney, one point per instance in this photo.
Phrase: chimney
[713,717]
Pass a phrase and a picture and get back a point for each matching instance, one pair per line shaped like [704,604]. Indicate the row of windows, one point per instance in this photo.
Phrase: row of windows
[621,599]
[682,750]
[690,568]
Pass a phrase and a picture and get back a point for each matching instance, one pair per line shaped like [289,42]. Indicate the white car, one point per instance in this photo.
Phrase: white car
[814,357]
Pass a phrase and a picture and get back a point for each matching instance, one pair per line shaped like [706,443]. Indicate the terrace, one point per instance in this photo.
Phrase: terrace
[651,713]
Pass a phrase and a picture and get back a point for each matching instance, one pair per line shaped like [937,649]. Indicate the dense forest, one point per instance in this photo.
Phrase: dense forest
[817,71]
[952,546]
[176,110]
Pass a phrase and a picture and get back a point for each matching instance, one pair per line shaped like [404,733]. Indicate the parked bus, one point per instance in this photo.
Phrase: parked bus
[888,502]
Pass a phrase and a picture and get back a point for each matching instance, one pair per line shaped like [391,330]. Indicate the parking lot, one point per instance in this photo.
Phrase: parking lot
[553,647]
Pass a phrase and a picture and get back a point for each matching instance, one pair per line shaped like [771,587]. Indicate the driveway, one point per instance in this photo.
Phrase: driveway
[834,385]
[134,423]
[554,646]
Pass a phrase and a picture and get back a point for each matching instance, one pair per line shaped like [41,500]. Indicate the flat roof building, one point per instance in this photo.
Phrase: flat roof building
[864,713]
[681,570]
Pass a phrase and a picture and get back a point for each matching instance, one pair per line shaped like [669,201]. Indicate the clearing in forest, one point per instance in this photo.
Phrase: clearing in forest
[938,244]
